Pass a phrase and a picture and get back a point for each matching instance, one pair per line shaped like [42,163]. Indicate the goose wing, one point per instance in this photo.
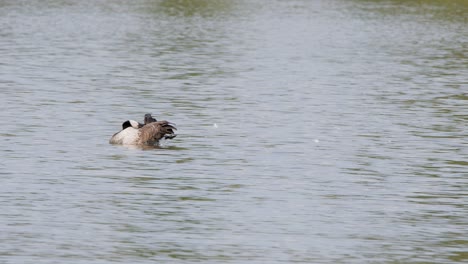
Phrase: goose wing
[151,133]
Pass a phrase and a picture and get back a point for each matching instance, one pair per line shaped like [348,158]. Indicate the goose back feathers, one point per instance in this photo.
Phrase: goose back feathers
[151,133]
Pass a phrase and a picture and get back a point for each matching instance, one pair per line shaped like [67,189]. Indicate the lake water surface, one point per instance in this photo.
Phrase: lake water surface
[325,131]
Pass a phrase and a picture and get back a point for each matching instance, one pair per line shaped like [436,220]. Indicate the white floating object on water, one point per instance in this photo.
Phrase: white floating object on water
[316,140]
[215,125]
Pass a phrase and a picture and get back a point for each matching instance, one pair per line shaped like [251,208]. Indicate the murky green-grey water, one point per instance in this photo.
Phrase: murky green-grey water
[309,131]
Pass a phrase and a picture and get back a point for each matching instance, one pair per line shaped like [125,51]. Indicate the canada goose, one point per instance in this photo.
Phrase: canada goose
[134,133]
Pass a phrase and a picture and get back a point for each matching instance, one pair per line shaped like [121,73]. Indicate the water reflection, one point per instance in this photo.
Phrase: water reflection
[190,8]
[453,11]
[161,146]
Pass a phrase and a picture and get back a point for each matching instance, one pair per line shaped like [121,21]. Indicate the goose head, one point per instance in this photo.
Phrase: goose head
[130,123]
[149,119]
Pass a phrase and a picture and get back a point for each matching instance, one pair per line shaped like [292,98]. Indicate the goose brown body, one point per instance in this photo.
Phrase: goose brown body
[151,133]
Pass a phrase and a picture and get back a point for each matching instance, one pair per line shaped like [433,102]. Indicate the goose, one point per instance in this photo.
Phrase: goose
[149,133]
